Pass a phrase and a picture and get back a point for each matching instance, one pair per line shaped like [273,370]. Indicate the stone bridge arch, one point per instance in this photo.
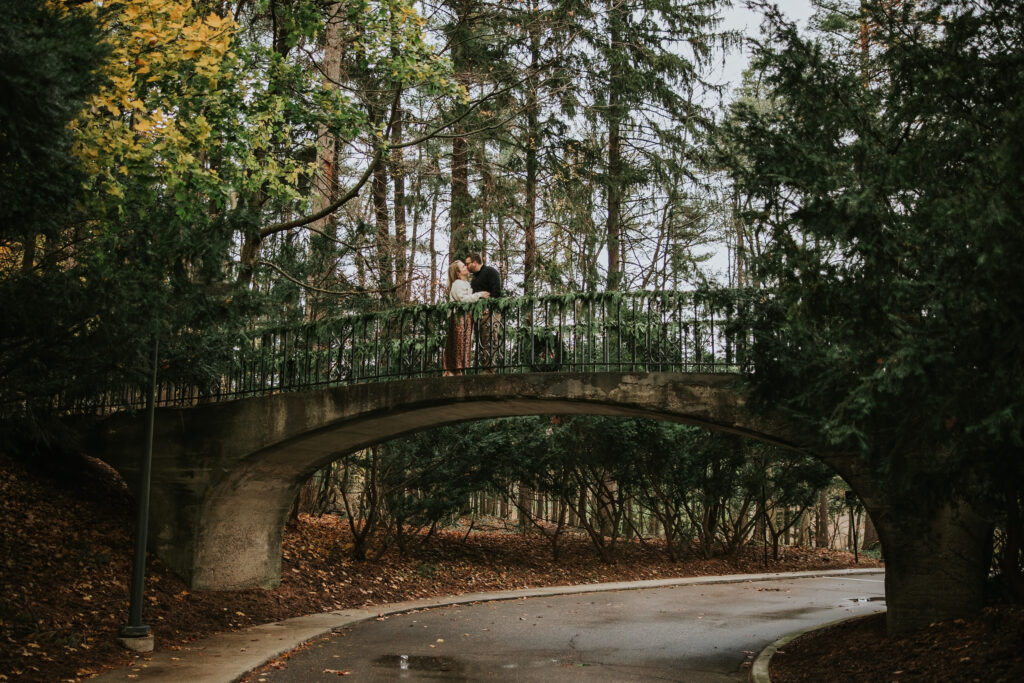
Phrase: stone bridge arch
[225,474]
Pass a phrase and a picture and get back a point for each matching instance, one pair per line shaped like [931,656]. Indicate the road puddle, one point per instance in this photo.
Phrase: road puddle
[418,663]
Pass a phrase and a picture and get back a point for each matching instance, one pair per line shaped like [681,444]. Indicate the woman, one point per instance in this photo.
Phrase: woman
[458,348]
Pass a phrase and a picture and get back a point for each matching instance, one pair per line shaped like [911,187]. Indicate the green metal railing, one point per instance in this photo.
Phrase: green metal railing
[612,331]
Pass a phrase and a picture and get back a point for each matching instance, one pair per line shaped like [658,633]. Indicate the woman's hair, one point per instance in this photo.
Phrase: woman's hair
[453,272]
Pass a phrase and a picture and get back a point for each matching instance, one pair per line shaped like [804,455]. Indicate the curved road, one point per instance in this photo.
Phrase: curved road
[698,633]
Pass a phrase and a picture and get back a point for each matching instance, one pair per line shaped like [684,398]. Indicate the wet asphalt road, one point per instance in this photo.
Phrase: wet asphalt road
[699,633]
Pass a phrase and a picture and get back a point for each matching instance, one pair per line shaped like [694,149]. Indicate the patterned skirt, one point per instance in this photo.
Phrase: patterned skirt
[458,348]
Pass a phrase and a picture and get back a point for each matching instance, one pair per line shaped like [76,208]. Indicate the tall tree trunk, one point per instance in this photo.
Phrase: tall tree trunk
[398,179]
[525,495]
[417,220]
[740,267]
[461,231]
[486,191]
[436,280]
[461,210]
[760,528]
[615,171]
[821,539]
[379,192]
[325,186]
[804,530]
[28,257]
[604,499]
[360,258]
[251,244]
[533,134]
[503,248]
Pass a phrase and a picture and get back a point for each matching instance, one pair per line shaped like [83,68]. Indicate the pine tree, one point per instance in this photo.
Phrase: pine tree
[887,174]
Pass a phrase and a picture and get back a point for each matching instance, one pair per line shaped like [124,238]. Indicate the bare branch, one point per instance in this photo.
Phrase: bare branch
[330,208]
[306,285]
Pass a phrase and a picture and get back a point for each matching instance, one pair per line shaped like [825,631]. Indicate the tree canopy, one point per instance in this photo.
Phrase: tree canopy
[886,171]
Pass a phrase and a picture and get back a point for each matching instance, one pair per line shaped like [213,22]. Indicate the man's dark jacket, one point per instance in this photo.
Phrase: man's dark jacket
[487,279]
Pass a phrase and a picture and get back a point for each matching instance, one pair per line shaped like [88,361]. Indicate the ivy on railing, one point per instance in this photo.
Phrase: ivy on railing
[583,332]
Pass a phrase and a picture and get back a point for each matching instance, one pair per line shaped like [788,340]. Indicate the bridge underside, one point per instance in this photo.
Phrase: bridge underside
[225,475]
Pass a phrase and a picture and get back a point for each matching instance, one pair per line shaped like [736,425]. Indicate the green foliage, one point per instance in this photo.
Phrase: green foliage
[48,60]
[706,489]
[702,486]
[711,487]
[48,67]
[433,474]
[144,145]
[890,182]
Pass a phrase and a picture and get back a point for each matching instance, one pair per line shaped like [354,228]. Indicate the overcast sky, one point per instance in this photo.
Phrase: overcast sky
[740,18]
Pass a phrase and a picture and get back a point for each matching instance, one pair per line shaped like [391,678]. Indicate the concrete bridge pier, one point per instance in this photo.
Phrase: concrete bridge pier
[935,547]
[216,528]
[238,545]
[193,451]
[219,498]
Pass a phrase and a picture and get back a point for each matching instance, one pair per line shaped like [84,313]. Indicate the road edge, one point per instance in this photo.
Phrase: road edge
[759,671]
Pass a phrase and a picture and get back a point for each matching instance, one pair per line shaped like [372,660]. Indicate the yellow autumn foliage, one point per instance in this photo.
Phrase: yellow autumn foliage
[193,108]
[164,60]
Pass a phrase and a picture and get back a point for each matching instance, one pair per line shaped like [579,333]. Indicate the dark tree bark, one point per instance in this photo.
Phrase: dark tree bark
[381,220]
[821,539]
[402,279]
[615,167]
[533,134]
[936,562]
[461,234]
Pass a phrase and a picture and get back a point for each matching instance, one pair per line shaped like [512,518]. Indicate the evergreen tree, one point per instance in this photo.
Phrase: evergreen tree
[888,174]
[643,63]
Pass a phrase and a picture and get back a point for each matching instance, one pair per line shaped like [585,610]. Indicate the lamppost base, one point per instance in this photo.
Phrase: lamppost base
[136,638]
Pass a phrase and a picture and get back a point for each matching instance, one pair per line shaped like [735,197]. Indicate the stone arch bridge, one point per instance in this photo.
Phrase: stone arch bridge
[229,457]
[226,474]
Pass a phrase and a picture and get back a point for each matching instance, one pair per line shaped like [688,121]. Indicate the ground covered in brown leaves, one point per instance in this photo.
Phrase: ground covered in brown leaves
[64,574]
[989,649]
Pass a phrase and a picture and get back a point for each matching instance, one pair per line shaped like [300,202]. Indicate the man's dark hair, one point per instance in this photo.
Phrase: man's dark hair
[475,258]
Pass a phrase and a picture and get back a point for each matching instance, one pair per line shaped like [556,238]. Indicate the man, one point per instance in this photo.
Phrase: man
[488,336]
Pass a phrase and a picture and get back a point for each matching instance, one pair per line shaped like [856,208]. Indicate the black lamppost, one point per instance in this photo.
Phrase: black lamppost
[851,502]
[135,635]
